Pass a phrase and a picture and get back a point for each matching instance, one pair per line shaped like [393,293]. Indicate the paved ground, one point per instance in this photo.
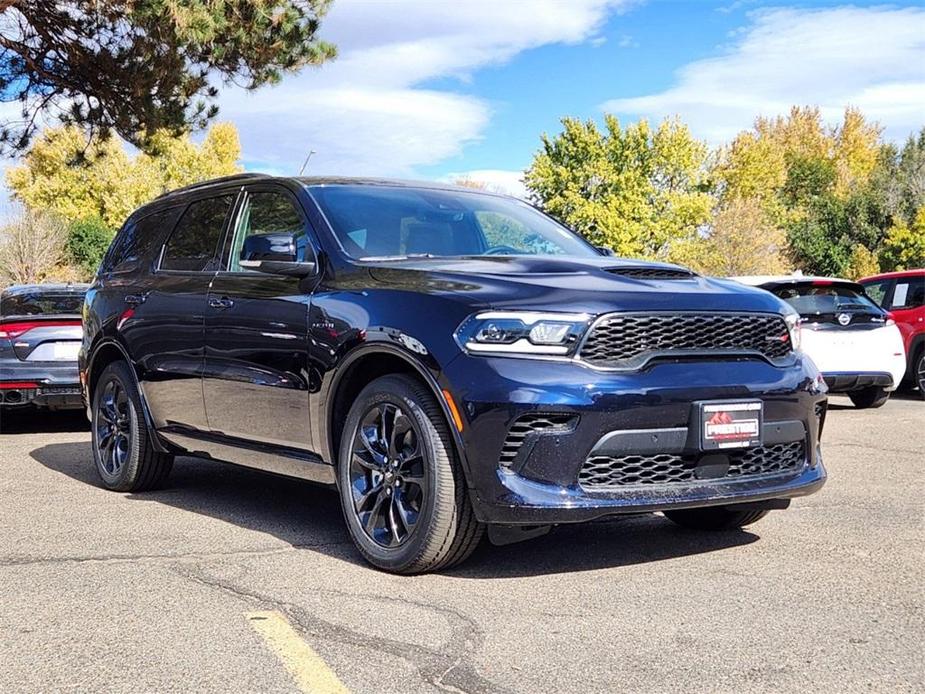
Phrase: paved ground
[157,592]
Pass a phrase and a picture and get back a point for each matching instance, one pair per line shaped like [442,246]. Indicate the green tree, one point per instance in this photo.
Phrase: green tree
[106,183]
[136,67]
[904,247]
[87,242]
[636,190]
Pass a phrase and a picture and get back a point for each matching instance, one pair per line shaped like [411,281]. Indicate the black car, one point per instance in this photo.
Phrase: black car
[40,335]
[450,360]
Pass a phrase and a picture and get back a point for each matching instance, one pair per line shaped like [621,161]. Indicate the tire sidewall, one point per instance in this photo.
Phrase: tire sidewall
[125,478]
[394,391]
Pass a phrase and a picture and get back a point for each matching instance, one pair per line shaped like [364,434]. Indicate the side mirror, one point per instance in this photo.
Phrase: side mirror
[605,250]
[276,254]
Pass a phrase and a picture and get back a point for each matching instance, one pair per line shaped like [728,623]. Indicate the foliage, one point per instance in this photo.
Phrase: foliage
[636,190]
[136,67]
[741,241]
[105,182]
[904,247]
[87,242]
[862,263]
[31,248]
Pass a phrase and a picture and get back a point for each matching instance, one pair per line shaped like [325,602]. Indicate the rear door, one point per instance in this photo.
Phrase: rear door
[256,364]
[164,321]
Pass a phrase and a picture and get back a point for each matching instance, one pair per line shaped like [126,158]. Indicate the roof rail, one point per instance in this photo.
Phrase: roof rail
[243,177]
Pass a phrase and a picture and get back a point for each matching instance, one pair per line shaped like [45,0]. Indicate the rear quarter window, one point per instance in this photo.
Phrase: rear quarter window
[40,303]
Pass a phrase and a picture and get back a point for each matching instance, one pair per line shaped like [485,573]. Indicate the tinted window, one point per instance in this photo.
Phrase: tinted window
[877,290]
[265,213]
[811,300]
[908,293]
[138,240]
[40,303]
[384,221]
[194,242]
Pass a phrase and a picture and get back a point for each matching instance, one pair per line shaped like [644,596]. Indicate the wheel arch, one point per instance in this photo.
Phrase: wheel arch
[105,353]
[362,367]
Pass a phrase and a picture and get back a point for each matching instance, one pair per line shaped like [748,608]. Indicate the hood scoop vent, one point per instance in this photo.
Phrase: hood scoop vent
[652,273]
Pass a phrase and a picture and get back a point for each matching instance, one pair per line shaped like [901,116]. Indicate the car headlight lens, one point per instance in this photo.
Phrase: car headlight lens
[522,332]
[793,321]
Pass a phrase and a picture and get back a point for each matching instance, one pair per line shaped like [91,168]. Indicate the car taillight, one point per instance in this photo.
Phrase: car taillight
[14,330]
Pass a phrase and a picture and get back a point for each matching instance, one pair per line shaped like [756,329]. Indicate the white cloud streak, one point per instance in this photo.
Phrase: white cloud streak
[872,58]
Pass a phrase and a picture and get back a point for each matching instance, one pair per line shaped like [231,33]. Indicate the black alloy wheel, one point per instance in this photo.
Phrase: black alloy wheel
[387,475]
[113,430]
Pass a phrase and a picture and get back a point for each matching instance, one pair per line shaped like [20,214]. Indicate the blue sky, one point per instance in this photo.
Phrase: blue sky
[436,89]
[443,88]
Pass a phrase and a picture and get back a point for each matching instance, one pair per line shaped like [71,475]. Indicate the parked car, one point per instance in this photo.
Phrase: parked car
[40,335]
[851,339]
[448,359]
[903,295]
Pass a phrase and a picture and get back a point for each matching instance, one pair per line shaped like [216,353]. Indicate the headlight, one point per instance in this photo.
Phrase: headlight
[522,332]
[793,320]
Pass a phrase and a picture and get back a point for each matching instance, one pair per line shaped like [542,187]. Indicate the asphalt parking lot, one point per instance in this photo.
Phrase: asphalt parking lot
[230,580]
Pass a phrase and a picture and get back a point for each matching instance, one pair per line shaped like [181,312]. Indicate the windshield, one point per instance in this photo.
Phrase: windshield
[812,300]
[383,222]
[40,302]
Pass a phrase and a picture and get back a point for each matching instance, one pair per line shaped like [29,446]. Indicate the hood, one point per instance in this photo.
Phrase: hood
[593,285]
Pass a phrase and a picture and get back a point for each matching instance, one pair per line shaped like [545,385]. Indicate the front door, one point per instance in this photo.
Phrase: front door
[256,368]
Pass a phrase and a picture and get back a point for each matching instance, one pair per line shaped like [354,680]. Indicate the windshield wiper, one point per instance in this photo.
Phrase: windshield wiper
[406,256]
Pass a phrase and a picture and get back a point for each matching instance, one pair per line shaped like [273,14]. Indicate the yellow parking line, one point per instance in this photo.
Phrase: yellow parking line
[307,668]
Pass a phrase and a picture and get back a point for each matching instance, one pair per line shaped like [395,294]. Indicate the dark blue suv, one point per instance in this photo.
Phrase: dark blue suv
[450,360]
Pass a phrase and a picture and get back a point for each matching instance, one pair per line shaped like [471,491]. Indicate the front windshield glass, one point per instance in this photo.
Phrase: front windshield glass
[383,222]
[811,300]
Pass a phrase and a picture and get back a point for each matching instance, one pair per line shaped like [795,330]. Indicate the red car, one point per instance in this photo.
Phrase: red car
[903,295]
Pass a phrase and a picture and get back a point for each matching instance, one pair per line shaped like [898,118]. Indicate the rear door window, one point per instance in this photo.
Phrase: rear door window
[878,290]
[138,240]
[193,245]
[908,293]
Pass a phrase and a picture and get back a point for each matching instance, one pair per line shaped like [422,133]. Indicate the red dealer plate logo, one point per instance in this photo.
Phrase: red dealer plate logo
[730,424]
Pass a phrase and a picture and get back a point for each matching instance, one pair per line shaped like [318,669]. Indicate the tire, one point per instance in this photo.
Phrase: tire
[401,486]
[714,518]
[870,397]
[123,454]
[918,372]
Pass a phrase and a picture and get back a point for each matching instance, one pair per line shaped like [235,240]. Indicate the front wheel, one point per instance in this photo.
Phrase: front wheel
[125,458]
[872,396]
[918,372]
[402,489]
[714,518]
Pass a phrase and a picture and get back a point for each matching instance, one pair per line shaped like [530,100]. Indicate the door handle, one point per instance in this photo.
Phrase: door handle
[135,299]
[220,304]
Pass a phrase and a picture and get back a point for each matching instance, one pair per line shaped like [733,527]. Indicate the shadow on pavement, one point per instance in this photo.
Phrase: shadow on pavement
[305,515]
[37,421]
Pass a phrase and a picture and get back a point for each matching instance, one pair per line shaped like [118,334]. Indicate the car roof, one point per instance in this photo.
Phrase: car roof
[766,281]
[39,288]
[916,272]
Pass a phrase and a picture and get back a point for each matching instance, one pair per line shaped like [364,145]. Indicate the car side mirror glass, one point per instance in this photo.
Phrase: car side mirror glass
[277,254]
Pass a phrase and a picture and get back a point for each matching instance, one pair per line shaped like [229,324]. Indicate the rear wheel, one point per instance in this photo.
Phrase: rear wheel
[401,487]
[123,453]
[918,371]
[714,518]
[872,396]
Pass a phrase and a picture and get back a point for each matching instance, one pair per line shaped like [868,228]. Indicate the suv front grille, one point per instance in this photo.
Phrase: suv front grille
[627,341]
[528,424]
[601,472]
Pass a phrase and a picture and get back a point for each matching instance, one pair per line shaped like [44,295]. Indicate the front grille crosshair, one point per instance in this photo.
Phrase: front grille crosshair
[629,340]
[653,273]
[601,472]
[529,423]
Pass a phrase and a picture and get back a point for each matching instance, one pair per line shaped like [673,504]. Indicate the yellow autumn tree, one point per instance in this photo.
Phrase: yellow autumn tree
[74,179]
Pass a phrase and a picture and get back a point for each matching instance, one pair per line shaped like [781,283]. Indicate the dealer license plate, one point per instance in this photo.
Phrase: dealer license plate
[735,424]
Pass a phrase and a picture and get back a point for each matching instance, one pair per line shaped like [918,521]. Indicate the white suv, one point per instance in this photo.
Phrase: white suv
[853,341]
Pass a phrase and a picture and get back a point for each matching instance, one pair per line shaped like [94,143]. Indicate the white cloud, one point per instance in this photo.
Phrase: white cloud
[367,113]
[872,58]
[496,180]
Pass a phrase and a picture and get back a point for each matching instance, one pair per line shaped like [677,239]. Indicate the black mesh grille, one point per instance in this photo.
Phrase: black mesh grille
[602,472]
[628,340]
[527,424]
[652,273]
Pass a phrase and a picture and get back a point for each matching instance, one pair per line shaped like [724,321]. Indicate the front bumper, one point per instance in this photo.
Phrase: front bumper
[650,411]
